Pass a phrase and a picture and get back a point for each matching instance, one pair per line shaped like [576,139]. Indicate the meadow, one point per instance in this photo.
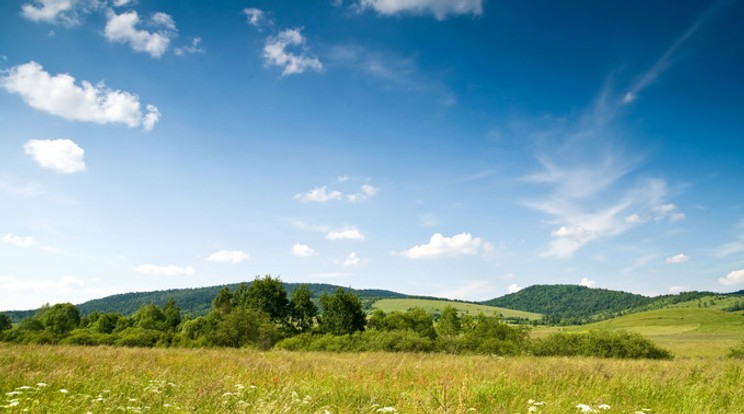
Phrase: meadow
[70,379]
[463,308]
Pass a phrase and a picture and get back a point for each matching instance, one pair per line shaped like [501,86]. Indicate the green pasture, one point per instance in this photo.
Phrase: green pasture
[434,306]
[686,331]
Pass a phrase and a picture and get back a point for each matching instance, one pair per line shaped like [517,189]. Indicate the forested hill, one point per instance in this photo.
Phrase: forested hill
[570,301]
[196,301]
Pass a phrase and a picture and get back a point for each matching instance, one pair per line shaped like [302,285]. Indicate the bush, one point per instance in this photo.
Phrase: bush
[138,337]
[602,344]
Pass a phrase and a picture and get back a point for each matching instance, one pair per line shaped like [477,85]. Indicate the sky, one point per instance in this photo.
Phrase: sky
[455,148]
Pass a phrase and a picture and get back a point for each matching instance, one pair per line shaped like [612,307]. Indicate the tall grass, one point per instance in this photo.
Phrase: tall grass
[103,379]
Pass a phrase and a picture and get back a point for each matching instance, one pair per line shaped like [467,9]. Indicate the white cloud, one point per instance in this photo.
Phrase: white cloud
[24,242]
[60,96]
[668,212]
[61,155]
[195,47]
[170,270]
[119,3]
[680,258]
[587,283]
[122,28]
[634,219]
[514,288]
[439,8]
[352,260]
[734,278]
[302,250]
[276,53]
[366,192]
[351,233]
[319,195]
[463,244]
[228,256]
[51,11]
[256,17]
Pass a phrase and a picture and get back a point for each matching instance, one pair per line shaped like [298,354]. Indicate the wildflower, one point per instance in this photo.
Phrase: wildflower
[13,403]
[41,384]
[63,391]
[387,410]
[240,386]
[227,394]
[24,387]
[532,409]
[538,403]
[603,407]
[12,393]
[586,408]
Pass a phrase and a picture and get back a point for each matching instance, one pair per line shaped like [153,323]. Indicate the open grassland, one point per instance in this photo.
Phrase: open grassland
[59,379]
[436,306]
[686,331]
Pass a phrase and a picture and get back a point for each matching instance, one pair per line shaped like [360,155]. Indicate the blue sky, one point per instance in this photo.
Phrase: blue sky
[462,148]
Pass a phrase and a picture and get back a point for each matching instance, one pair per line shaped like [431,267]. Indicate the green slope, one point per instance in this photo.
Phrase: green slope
[435,306]
[687,331]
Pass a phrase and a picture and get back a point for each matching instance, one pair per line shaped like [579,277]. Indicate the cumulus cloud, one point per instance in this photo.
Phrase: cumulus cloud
[463,244]
[587,283]
[276,53]
[351,233]
[302,250]
[734,278]
[59,95]
[228,256]
[676,259]
[514,288]
[170,270]
[441,9]
[366,192]
[61,155]
[122,28]
[19,241]
[319,195]
[51,11]
[678,289]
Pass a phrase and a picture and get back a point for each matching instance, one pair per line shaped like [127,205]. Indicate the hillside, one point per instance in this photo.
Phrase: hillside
[195,301]
[435,306]
[570,303]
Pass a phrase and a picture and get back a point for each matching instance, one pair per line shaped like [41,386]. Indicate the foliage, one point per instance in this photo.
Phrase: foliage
[302,310]
[266,295]
[342,313]
[603,344]
[5,322]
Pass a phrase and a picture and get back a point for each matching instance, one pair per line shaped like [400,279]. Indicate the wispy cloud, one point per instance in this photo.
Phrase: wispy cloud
[663,63]
[323,195]
[351,233]
[170,270]
[677,259]
[228,256]
[19,241]
[468,289]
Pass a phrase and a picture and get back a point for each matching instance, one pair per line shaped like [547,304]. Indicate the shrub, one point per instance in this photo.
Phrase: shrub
[602,344]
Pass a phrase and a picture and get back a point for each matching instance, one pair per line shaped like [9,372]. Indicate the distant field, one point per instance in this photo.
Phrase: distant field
[686,331]
[436,306]
[59,379]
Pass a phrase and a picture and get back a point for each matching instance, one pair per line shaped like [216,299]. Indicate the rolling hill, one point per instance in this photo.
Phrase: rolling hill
[435,306]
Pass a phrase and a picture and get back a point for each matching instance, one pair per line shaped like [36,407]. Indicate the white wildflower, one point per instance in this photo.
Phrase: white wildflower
[532,409]
[12,393]
[603,407]
[240,386]
[63,391]
[387,410]
[586,408]
[13,403]
[24,387]
[41,384]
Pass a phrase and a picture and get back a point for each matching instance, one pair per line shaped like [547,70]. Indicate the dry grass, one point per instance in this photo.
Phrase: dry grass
[104,379]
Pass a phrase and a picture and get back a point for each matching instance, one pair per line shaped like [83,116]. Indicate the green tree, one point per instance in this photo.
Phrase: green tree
[61,318]
[449,322]
[302,309]
[223,302]
[267,295]
[149,317]
[342,313]
[172,315]
[5,322]
[106,323]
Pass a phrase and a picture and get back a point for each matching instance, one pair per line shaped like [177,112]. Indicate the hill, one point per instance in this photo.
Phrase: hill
[435,306]
[195,301]
[570,303]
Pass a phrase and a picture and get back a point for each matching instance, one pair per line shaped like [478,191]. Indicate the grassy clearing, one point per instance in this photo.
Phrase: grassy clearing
[686,331]
[102,379]
[436,306]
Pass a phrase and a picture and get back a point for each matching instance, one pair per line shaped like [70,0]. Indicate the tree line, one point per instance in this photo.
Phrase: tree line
[262,315]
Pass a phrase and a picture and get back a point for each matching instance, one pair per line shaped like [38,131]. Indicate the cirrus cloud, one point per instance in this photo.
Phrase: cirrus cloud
[59,95]
[463,244]
[61,155]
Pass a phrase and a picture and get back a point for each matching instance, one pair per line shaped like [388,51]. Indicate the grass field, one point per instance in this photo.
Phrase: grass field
[59,379]
[436,306]
[686,331]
